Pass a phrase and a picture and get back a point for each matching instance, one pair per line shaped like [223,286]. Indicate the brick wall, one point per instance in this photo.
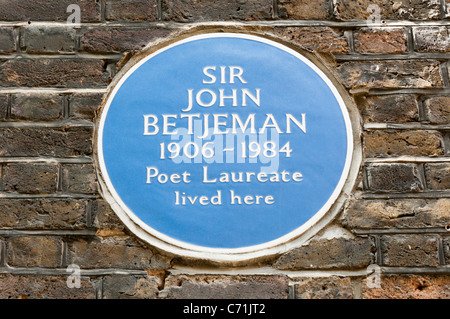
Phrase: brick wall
[54,76]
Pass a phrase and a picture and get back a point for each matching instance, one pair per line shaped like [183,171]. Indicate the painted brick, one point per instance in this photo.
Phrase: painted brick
[188,11]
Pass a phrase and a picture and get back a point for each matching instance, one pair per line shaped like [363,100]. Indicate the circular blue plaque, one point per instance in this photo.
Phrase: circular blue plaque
[224,142]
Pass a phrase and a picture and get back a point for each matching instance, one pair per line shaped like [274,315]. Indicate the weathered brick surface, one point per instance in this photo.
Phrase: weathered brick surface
[31,179]
[398,108]
[225,287]
[385,41]
[54,73]
[324,288]
[432,39]
[394,177]
[79,178]
[302,9]
[44,287]
[7,42]
[134,10]
[36,107]
[396,143]
[43,213]
[328,254]
[391,74]
[396,214]
[437,109]
[42,39]
[43,10]
[31,251]
[58,142]
[188,11]
[107,40]
[130,287]
[390,9]
[410,287]
[53,79]
[323,39]
[410,250]
[438,176]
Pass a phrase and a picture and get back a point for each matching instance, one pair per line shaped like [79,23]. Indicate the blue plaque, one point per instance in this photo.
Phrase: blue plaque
[224,142]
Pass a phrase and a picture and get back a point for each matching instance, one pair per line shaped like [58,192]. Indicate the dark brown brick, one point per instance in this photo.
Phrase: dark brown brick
[107,40]
[438,175]
[44,39]
[389,9]
[391,74]
[130,287]
[135,10]
[397,214]
[57,142]
[44,10]
[42,213]
[225,287]
[394,177]
[381,41]
[437,109]
[34,251]
[113,252]
[329,254]
[44,287]
[79,178]
[7,42]
[432,39]
[65,72]
[304,9]
[36,106]
[3,106]
[104,217]
[36,178]
[84,106]
[410,251]
[186,11]
[397,143]
[324,288]
[320,39]
[399,108]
